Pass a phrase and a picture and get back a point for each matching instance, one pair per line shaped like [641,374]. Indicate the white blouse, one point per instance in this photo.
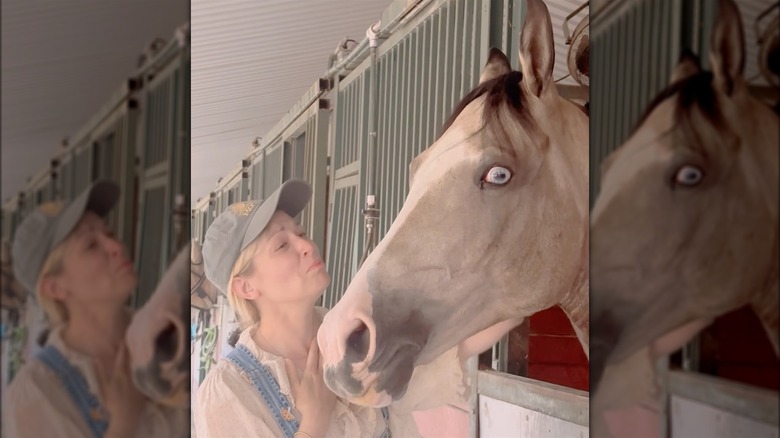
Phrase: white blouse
[37,405]
[228,405]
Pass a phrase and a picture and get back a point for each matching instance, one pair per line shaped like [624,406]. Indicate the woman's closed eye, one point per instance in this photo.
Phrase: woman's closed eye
[281,245]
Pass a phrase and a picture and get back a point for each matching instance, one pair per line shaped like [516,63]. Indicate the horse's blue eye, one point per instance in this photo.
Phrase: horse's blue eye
[689,176]
[498,175]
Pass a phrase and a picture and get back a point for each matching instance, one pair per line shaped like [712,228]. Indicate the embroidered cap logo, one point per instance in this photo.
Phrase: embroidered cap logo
[242,208]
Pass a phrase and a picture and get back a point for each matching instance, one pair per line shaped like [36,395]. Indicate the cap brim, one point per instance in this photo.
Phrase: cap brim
[99,199]
[292,197]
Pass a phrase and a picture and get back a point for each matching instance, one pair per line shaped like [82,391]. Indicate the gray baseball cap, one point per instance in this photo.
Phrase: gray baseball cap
[236,227]
[45,228]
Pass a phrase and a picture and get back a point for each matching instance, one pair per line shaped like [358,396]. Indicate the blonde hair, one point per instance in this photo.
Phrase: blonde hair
[246,310]
[55,310]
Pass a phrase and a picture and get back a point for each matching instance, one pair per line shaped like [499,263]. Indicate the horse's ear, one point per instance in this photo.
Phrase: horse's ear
[497,65]
[727,47]
[687,66]
[537,48]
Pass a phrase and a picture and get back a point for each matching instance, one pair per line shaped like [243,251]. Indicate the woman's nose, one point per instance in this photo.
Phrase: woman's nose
[114,246]
[307,246]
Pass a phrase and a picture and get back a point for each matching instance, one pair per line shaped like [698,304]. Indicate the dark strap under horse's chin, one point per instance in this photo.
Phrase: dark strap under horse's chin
[201,279]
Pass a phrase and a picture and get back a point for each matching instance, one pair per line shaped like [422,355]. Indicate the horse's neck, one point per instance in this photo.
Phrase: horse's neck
[576,303]
[760,138]
[765,302]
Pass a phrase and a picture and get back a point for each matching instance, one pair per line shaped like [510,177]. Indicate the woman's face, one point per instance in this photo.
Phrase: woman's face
[287,266]
[95,266]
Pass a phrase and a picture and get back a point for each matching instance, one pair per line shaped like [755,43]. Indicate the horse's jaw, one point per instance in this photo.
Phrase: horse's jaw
[157,338]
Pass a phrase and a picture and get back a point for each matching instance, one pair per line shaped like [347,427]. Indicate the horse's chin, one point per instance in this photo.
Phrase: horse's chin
[377,384]
[373,399]
[178,399]
[163,384]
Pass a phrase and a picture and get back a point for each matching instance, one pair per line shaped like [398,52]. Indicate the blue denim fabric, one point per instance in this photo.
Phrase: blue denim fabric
[261,378]
[265,383]
[70,377]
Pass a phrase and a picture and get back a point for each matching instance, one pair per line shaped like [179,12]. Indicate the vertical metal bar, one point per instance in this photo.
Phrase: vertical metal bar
[398,126]
[621,73]
[427,83]
[460,55]
[472,369]
[373,97]
[662,370]
[691,354]
[484,31]
[450,60]
[409,100]
[505,26]
[663,18]
[393,128]
[440,28]
[696,25]
[674,36]
[318,136]
[349,111]
[386,143]
[610,87]
[500,354]
[466,42]
[594,157]
[416,104]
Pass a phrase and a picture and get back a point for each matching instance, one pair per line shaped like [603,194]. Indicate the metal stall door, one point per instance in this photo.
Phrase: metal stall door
[349,137]
[158,137]
[422,71]
[633,52]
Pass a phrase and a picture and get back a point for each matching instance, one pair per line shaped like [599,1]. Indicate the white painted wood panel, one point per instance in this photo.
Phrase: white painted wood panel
[690,418]
[502,419]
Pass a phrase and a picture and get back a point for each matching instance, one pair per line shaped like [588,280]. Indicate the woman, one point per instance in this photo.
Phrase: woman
[271,384]
[259,256]
[79,385]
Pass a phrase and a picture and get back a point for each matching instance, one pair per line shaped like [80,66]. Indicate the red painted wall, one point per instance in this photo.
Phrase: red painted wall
[736,347]
[554,353]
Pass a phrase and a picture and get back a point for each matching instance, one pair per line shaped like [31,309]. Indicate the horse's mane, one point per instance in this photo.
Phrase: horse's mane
[695,89]
[504,90]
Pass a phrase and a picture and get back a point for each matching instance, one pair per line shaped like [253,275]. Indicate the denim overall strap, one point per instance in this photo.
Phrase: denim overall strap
[261,378]
[76,385]
[386,416]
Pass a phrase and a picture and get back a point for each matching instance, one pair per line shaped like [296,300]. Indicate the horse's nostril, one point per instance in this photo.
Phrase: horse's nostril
[357,343]
[166,343]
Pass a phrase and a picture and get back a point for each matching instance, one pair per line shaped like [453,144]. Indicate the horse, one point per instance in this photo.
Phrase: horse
[158,336]
[494,228]
[685,229]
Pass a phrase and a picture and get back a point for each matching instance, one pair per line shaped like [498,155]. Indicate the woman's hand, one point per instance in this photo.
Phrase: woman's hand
[123,401]
[312,398]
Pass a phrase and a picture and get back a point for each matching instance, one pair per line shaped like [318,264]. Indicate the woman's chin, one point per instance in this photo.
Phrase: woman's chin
[128,286]
[325,281]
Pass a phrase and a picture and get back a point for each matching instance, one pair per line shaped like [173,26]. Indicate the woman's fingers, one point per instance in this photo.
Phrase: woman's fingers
[292,376]
[101,374]
[120,361]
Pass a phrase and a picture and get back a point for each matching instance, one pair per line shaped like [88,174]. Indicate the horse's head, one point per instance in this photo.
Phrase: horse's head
[158,338]
[684,228]
[485,234]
